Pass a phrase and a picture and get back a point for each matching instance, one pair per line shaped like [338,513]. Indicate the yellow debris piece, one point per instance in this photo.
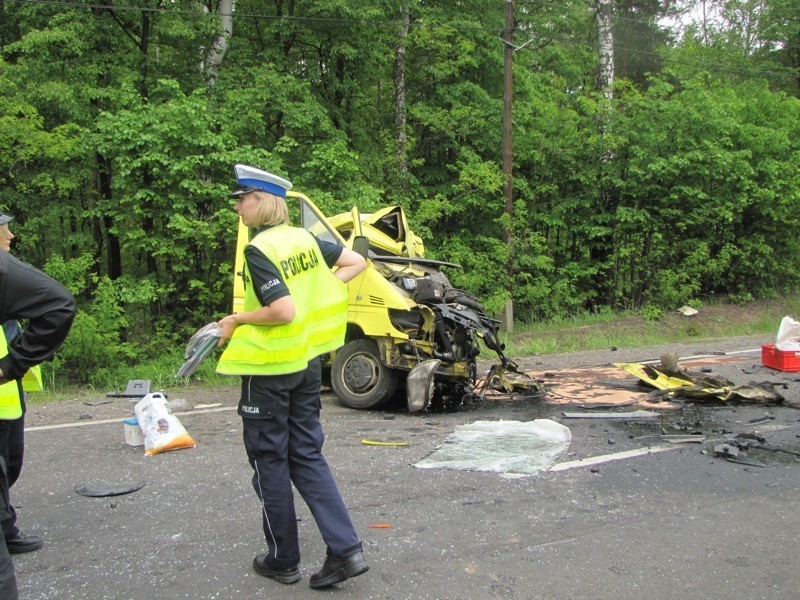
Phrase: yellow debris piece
[654,377]
[382,443]
[677,382]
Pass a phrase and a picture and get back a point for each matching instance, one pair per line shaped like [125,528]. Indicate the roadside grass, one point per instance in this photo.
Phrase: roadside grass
[585,332]
[597,331]
[159,371]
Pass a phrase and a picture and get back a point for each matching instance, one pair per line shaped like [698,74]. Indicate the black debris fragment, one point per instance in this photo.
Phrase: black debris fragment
[108,490]
[726,451]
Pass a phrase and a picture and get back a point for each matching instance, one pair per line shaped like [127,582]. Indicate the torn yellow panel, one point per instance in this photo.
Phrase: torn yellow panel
[654,377]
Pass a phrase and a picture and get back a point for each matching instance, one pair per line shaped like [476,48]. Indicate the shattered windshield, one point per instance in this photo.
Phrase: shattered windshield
[311,221]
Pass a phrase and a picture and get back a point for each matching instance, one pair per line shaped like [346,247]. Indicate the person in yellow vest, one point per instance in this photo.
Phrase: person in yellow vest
[295,309]
[25,294]
[12,431]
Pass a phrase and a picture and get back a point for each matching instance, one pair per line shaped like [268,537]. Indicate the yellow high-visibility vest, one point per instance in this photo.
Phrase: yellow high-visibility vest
[32,380]
[320,301]
[10,402]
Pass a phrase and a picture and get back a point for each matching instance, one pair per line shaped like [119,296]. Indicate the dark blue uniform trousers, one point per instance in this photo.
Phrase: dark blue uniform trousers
[12,447]
[283,438]
[8,580]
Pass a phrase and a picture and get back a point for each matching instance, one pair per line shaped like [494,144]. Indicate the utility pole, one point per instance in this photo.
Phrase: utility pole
[508,153]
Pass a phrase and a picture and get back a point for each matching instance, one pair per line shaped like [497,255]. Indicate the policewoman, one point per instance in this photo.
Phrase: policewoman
[295,309]
[26,293]
[12,438]
[12,418]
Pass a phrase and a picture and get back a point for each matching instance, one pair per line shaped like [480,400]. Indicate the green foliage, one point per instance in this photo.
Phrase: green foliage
[697,190]
[651,312]
[74,274]
[94,345]
[741,298]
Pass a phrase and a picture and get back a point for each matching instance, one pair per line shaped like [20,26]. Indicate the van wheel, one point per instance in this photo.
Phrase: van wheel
[359,377]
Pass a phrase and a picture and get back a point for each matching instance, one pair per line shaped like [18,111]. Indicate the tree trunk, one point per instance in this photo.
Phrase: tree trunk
[112,241]
[340,99]
[605,78]
[508,159]
[144,46]
[400,95]
[148,222]
[219,46]
[600,250]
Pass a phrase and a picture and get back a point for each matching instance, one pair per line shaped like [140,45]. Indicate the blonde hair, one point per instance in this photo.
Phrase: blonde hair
[272,209]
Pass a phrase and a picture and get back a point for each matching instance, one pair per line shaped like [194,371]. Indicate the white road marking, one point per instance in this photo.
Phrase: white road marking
[120,419]
[596,460]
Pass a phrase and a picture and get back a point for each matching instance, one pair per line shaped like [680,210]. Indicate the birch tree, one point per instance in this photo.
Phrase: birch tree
[219,46]
[605,78]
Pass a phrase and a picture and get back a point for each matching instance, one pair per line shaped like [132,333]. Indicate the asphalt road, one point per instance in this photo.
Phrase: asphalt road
[679,523]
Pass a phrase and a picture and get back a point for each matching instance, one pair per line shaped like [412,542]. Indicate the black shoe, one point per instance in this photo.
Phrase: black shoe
[336,570]
[285,575]
[23,543]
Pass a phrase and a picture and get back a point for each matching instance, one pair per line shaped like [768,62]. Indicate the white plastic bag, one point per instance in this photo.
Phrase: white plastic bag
[788,339]
[162,430]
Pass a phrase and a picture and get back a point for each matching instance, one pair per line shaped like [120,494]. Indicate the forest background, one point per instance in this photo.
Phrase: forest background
[655,149]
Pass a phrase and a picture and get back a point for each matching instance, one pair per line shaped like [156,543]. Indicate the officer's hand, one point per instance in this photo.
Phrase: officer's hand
[227,326]
[3,378]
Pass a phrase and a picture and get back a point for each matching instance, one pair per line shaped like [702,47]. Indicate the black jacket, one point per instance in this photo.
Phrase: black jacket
[27,293]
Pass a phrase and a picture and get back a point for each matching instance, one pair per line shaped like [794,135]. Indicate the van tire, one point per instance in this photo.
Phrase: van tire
[359,378]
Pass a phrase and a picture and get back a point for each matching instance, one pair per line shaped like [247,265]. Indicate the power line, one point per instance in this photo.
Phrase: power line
[419,24]
[240,15]
[128,8]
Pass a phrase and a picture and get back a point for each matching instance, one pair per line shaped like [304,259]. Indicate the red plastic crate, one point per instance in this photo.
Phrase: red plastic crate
[781,360]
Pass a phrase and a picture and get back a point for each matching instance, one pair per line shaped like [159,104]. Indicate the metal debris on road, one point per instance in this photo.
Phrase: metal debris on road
[634,414]
[726,451]
[96,402]
[744,462]
[136,388]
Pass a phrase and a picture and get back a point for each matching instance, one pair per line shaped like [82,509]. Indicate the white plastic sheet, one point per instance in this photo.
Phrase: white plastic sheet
[788,339]
[501,447]
[201,344]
